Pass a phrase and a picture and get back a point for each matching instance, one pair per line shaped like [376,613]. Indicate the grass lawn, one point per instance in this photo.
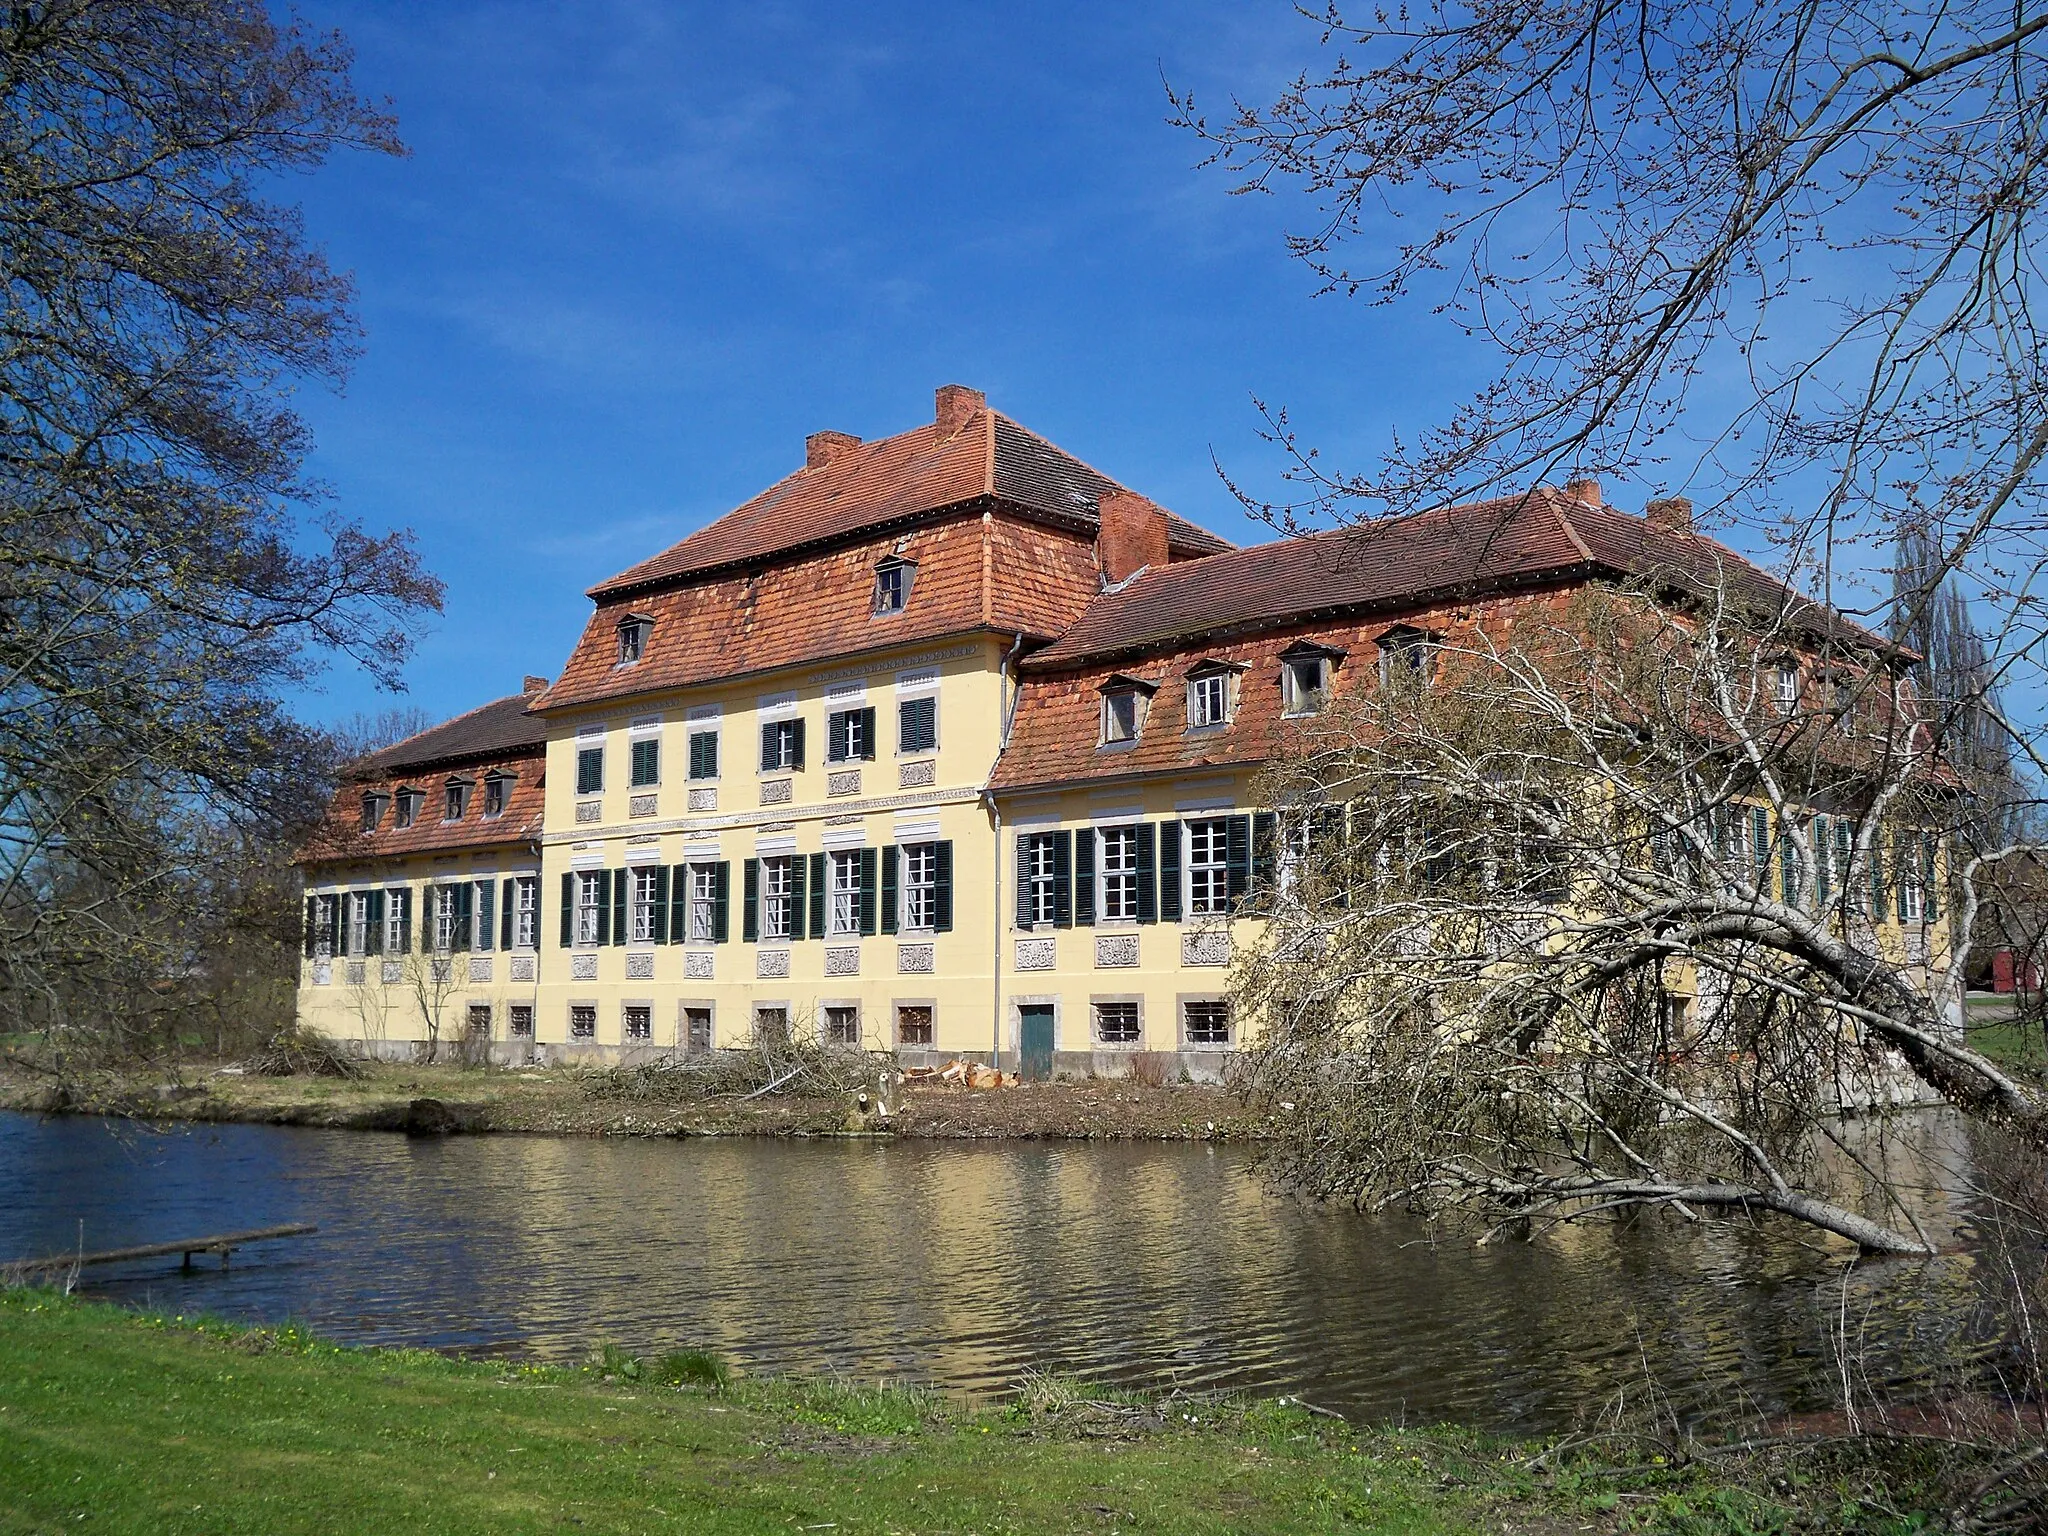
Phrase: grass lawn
[113,1421]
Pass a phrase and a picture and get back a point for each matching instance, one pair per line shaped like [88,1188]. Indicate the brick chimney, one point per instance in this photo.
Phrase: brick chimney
[1673,513]
[533,685]
[956,402]
[822,448]
[1131,535]
[1587,491]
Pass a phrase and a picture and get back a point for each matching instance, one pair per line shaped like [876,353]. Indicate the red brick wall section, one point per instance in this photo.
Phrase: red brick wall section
[1132,536]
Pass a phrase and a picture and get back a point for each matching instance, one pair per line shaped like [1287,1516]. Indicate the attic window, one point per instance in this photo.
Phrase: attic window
[1211,694]
[634,630]
[1124,704]
[1305,670]
[1785,686]
[496,787]
[373,811]
[892,584]
[1407,652]
[409,805]
[458,799]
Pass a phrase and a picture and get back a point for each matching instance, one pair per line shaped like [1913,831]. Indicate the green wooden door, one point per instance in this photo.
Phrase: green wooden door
[1034,1041]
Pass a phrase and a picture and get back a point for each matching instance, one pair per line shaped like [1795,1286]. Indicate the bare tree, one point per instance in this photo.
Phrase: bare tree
[1637,891]
[165,568]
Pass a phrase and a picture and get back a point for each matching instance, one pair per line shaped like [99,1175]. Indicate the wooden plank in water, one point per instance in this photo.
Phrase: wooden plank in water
[221,1244]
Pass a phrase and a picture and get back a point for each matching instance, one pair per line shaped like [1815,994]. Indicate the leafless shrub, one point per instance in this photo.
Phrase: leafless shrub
[296,1052]
[1155,1069]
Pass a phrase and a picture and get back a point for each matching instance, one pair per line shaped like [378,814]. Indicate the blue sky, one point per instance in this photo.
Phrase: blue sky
[639,250]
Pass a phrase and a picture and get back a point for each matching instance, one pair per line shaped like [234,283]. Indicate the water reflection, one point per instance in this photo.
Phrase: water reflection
[956,1264]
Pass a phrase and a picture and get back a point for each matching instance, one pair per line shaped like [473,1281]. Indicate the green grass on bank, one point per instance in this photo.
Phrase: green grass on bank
[113,1421]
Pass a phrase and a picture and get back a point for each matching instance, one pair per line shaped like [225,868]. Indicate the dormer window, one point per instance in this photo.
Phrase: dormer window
[892,584]
[458,799]
[1305,671]
[409,806]
[1210,695]
[634,630]
[1785,687]
[1125,701]
[1407,653]
[373,811]
[496,787]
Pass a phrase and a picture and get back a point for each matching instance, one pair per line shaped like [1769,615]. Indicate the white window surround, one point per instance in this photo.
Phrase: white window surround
[855,692]
[923,680]
[645,726]
[700,713]
[769,847]
[776,706]
[1209,701]
[843,837]
[919,877]
[842,914]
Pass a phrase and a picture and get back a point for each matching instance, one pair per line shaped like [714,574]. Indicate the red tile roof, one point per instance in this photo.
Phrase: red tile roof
[1407,562]
[341,835]
[892,481]
[492,729]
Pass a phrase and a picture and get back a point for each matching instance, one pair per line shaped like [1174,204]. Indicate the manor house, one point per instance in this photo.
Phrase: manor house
[944,744]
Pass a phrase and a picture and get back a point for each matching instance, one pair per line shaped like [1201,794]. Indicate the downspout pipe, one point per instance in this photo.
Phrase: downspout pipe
[1007,709]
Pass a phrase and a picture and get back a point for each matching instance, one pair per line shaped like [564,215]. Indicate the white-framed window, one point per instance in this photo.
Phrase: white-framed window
[458,800]
[589,770]
[892,585]
[444,918]
[1117,1023]
[842,1024]
[496,788]
[703,902]
[1208,700]
[1406,653]
[782,746]
[1123,715]
[373,812]
[1118,852]
[591,894]
[633,633]
[359,923]
[1038,871]
[1205,1023]
[1209,866]
[842,915]
[920,886]
[582,1021]
[637,1021]
[1304,684]
[850,735]
[526,912]
[395,919]
[408,806]
[323,927]
[641,893]
[778,905]
[1785,687]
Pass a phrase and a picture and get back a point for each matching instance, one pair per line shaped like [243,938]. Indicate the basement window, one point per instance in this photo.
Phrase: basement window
[1116,1023]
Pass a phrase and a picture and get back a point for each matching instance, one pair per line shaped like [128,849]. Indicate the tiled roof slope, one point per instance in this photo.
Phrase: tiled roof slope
[496,728]
[971,575]
[341,836]
[1406,562]
[891,481]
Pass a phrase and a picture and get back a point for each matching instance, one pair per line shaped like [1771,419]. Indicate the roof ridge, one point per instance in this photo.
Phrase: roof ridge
[383,756]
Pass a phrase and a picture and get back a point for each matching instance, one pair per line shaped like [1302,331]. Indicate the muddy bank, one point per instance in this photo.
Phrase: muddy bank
[423,1100]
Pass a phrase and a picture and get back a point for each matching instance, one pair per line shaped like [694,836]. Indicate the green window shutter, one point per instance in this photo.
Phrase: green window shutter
[679,903]
[867,734]
[568,909]
[797,730]
[486,913]
[661,903]
[508,898]
[816,895]
[1327,840]
[619,878]
[1062,879]
[465,916]
[1237,859]
[334,925]
[604,908]
[867,892]
[1760,846]
[373,924]
[589,770]
[1265,829]
[1820,832]
[890,898]
[1148,874]
[312,925]
[721,902]
[1788,870]
[1930,883]
[1169,871]
[942,887]
[1844,850]
[1026,842]
[917,725]
[750,896]
[646,763]
[836,735]
[1877,890]
[1902,869]
[771,740]
[1084,877]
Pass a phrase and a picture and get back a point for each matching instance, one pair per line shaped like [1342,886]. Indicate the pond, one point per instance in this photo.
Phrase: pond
[957,1264]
